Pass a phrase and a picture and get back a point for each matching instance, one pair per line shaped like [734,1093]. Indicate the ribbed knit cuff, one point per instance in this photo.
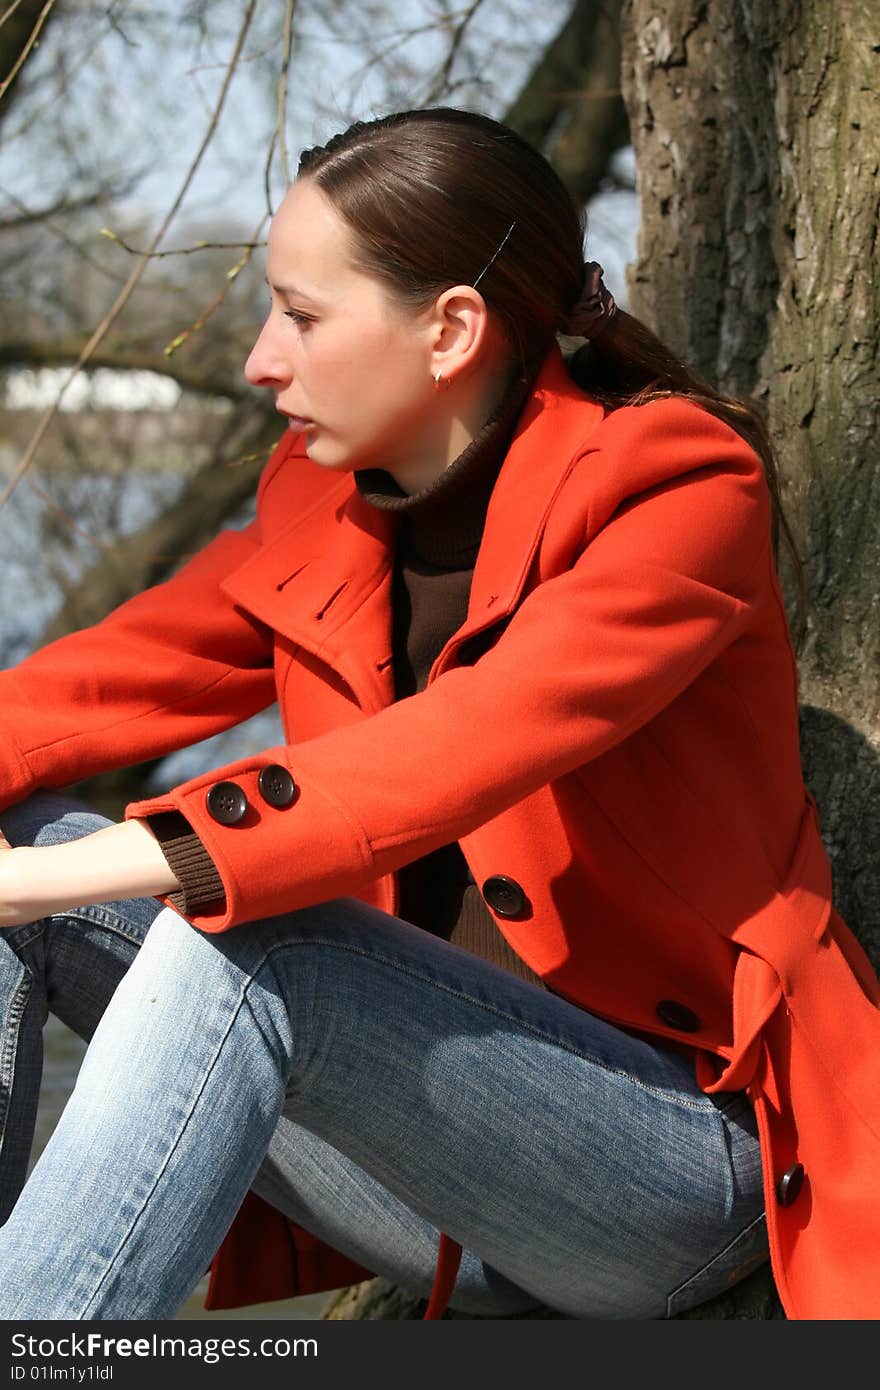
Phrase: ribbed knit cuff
[478,933]
[188,860]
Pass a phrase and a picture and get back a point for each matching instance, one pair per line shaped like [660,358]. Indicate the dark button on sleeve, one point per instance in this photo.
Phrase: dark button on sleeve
[227,803]
[790,1184]
[677,1016]
[277,787]
[504,895]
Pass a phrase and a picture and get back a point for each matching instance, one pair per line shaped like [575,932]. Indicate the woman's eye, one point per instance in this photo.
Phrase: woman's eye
[297,316]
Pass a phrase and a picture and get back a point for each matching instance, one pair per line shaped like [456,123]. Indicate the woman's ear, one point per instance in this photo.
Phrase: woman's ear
[461,332]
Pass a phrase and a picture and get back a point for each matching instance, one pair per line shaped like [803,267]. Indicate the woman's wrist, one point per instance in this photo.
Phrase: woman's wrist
[120,861]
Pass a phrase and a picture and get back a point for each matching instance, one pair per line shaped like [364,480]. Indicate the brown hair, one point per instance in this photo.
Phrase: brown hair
[431,194]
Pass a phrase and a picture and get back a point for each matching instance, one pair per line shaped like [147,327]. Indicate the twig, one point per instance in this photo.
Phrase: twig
[118,29]
[396,38]
[61,352]
[138,270]
[442,82]
[282,90]
[44,217]
[70,521]
[231,276]
[7,14]
[267,174]
[183,250]
[36,112]
[63,205]
[34,35]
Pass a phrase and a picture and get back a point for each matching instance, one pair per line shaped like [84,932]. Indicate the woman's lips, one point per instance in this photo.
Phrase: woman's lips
[298,423]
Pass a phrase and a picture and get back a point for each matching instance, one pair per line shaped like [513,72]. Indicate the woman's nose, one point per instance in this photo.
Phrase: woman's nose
[266,366]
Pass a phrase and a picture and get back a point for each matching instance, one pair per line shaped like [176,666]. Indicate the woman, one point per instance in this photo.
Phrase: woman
[524,935]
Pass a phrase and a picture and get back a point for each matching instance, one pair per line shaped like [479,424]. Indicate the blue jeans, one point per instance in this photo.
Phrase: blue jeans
[372,1081]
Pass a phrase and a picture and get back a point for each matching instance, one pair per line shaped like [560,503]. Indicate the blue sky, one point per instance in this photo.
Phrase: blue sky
[139,94]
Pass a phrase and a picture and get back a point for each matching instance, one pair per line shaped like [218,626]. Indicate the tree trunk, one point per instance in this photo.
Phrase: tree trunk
[571,107]
[757,129]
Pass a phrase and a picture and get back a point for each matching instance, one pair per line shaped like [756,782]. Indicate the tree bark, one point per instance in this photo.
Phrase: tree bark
[757,130]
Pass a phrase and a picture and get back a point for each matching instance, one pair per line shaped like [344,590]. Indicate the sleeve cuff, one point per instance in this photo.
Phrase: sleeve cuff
[188,860]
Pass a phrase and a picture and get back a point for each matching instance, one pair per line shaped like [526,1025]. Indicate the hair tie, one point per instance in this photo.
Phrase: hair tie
[595,307]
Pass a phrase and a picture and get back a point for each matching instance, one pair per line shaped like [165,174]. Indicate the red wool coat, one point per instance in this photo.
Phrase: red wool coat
[614,727]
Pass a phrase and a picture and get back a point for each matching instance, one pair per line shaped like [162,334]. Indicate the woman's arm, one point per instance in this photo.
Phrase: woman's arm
[120,861]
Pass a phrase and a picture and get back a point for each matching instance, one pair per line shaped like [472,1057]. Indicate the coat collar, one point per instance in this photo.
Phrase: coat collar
[324,581]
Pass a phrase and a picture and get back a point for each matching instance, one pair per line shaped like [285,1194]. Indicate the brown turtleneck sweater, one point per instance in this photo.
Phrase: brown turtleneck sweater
[441,528]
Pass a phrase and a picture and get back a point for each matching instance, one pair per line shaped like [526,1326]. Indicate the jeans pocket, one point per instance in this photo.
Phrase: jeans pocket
[740,1257]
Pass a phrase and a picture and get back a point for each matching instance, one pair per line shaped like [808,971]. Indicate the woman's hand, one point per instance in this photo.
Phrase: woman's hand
[120,861]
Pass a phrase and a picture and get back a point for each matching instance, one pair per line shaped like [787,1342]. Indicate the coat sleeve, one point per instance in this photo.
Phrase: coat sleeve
[173,665]
[662,584]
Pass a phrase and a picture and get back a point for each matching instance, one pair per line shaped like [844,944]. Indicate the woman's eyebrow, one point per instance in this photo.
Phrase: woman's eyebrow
[291,292]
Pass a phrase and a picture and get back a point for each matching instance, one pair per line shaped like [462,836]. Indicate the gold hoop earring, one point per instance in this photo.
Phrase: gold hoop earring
[438,378]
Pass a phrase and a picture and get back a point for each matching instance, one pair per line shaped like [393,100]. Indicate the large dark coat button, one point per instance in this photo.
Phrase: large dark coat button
[677,1016]
[504,895]
[227,802]
[276,785]
[790,1184]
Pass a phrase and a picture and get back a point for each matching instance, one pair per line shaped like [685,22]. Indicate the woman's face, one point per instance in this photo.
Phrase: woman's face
[347,364]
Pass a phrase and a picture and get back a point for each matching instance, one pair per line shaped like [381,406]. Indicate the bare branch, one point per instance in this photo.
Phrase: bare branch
[442,80]
[7,14]
[226,482]
[138,270]
[282,90]
[267,174]
[118,29]
[69,521]
[199,323]
[34,35]
[570,107]
[28,216]
[62,352]
[58,232]
[181,251]
[396,39]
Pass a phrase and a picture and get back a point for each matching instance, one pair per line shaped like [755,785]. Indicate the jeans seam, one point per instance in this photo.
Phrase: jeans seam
[157,1173]
[21,937]
[109,921]
[660,1092]
[17,1007]
[752,1262]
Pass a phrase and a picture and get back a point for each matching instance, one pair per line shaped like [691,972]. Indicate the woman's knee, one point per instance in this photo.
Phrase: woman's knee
[49,818]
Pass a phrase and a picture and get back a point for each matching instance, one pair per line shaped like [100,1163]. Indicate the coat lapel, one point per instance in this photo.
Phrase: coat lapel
[324,582]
